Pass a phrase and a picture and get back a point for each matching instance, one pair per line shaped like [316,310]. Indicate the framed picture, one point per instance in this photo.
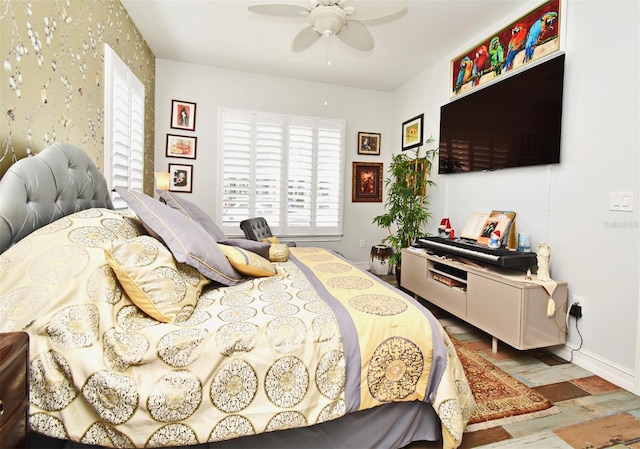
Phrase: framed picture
[181,178]
[533,36]
[366,183]
[183,115]
[412,132]
[181,146]
[369,143]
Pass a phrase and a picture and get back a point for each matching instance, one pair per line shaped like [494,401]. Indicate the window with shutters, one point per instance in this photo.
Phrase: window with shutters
[124,126]
[286,169]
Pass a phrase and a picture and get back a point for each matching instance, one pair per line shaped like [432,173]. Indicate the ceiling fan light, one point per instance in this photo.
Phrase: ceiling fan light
[328,20]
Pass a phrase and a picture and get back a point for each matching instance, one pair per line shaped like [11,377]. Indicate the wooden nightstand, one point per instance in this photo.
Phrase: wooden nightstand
[14,390]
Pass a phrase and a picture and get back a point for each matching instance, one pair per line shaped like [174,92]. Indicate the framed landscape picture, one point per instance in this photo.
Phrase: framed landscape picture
[181,178]
[366,183]
[181,146]
[183,115]
[369,143]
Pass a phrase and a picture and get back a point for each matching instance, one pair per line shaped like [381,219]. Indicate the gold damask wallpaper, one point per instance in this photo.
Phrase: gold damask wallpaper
[52,75]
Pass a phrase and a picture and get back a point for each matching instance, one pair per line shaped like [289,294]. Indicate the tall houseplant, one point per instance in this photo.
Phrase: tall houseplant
[406,204]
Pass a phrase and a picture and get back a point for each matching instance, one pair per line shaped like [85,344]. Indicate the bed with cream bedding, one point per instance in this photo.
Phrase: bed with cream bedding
[150,329]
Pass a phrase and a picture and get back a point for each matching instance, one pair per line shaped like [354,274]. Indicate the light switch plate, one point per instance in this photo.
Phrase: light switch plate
[621,201]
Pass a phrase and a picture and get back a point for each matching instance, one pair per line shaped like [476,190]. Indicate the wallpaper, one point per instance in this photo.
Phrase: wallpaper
[51,80]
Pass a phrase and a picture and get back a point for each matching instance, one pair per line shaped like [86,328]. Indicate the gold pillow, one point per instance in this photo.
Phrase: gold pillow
[279,252]
[152,278]
[272,240]
[248,263]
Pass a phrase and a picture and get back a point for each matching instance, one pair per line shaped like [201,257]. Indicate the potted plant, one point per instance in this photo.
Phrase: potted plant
[406,203]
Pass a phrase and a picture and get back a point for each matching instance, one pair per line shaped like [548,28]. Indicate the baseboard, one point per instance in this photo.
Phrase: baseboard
[622,377]
[362,265]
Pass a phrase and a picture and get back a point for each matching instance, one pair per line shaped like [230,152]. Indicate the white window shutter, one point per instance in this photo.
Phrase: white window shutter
[286,169]
[124,127]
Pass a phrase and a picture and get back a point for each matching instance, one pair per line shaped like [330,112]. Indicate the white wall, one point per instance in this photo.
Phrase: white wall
[211,88]
[567,205]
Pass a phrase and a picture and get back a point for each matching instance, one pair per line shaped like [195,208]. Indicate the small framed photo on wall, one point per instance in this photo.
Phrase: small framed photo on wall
[366,182]
[369,143]
[181,178]
[183,115]
[412,132]
[181,146]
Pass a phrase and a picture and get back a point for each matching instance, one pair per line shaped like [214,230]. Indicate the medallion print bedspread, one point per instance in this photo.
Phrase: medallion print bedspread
[319,339]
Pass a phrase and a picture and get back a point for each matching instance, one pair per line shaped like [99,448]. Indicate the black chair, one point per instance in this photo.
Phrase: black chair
[257,229]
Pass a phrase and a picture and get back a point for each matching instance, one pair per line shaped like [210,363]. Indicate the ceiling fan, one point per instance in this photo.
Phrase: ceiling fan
[340,17]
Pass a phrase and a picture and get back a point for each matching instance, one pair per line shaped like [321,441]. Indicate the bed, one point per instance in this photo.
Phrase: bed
[149,328]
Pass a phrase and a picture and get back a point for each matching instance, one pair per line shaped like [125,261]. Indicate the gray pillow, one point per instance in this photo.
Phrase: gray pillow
[260,248]
[188,241]
[193,212]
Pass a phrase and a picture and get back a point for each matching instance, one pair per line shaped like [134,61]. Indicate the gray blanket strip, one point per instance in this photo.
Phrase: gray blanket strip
[349,335]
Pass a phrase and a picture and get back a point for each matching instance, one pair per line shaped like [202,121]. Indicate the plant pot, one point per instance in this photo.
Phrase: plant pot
[398,269]
[380,255]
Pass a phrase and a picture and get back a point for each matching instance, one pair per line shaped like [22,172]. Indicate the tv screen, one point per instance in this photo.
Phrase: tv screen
[513,122]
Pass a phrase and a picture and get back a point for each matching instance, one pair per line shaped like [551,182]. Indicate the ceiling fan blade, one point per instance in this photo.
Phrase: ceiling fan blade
[305,39]
[356,35]
[280,9]
[378,9]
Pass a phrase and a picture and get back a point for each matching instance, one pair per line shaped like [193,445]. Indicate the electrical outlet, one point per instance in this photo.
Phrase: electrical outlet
[575,299]
[575,310]
[362,242]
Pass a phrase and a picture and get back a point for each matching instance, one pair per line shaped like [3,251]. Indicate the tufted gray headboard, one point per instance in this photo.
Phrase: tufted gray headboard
[35,191]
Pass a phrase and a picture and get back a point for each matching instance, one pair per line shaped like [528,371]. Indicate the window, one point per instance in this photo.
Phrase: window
[286,169]
[124,126]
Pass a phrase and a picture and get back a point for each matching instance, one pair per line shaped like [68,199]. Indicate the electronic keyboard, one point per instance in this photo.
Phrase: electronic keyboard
[500,257]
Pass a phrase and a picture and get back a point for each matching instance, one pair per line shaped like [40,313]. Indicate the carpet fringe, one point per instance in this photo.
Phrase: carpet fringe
[511,419]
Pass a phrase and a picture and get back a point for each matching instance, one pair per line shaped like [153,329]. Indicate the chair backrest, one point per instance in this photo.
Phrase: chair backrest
[256,228]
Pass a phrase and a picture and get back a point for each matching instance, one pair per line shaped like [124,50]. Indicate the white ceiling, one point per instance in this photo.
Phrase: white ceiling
[223,33]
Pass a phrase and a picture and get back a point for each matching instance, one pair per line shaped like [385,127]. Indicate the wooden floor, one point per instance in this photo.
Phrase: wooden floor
[593,412]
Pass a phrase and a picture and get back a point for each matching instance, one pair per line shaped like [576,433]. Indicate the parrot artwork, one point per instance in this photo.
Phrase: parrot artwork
[480,63]
[466,69]
[496,54]
[518,39]
[537,31]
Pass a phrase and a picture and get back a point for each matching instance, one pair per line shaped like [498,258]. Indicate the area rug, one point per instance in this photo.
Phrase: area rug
[500,398]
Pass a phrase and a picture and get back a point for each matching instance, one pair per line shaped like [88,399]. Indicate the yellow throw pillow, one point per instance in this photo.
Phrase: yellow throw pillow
[271,240]
[279,252]
[248,263]
[152,278]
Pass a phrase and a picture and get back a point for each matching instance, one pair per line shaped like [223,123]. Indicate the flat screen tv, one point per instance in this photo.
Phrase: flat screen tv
[513,122]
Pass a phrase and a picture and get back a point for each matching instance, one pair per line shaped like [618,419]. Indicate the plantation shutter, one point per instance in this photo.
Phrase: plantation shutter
[124,127]
[288,170]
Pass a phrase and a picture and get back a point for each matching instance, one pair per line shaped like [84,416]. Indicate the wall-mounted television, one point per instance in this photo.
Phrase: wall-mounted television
[513,122]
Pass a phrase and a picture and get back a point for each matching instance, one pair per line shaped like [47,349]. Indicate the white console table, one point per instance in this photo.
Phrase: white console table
[497,301]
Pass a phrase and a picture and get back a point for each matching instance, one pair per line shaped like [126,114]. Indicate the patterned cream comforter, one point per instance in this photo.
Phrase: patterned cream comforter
[319,339]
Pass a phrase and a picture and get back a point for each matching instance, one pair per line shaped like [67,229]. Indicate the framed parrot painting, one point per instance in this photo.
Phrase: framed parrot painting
[529,38]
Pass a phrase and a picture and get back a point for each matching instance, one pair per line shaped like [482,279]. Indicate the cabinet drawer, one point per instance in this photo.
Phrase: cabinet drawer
[14,360]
